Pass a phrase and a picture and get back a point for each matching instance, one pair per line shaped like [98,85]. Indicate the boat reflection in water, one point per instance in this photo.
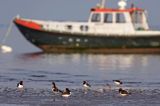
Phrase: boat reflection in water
[100,61]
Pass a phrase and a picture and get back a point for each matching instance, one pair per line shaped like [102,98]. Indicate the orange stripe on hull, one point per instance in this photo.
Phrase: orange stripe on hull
[29,24]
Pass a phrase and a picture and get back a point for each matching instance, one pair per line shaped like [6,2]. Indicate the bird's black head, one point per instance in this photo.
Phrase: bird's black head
[53,83]
[120,89]
[21,82]
[67,90]
[121,82]
[84,82]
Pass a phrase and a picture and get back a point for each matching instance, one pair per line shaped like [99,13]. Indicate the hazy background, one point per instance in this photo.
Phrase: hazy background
[58,10]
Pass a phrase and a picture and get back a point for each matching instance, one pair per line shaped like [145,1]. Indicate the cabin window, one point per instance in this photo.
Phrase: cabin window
[108,18]
[137,17]
[84,28]
[69,27]
[96,17]
[120,18]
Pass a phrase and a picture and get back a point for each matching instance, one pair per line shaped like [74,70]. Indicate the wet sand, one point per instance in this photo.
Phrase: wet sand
[96,97]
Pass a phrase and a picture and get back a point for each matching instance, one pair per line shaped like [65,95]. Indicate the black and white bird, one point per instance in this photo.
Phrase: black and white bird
[86,85]
[118,82]
[20,85]
[66,93]
[123,92]
[55,88]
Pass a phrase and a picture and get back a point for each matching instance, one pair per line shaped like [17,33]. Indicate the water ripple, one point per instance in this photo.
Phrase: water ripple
[38,76]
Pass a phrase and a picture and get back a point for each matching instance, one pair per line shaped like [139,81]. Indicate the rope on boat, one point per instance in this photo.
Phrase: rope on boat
[5,48]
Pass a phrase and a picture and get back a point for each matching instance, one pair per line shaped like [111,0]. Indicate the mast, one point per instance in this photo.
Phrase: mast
[102,5]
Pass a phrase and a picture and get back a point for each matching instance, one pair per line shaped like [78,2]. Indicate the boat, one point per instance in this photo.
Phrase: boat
[123,29]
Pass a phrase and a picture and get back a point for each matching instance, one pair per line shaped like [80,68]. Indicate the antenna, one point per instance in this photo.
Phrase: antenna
[102,3]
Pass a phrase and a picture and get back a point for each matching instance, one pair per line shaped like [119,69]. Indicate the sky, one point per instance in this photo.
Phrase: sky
[72,10]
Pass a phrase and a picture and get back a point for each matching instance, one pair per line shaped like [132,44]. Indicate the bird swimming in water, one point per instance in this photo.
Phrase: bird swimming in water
[118,82]
[20,85]
[55,88]
[66,93]
[86,84]
[123,92]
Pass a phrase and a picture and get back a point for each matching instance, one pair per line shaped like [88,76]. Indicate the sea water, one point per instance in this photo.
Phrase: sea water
[139,74]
